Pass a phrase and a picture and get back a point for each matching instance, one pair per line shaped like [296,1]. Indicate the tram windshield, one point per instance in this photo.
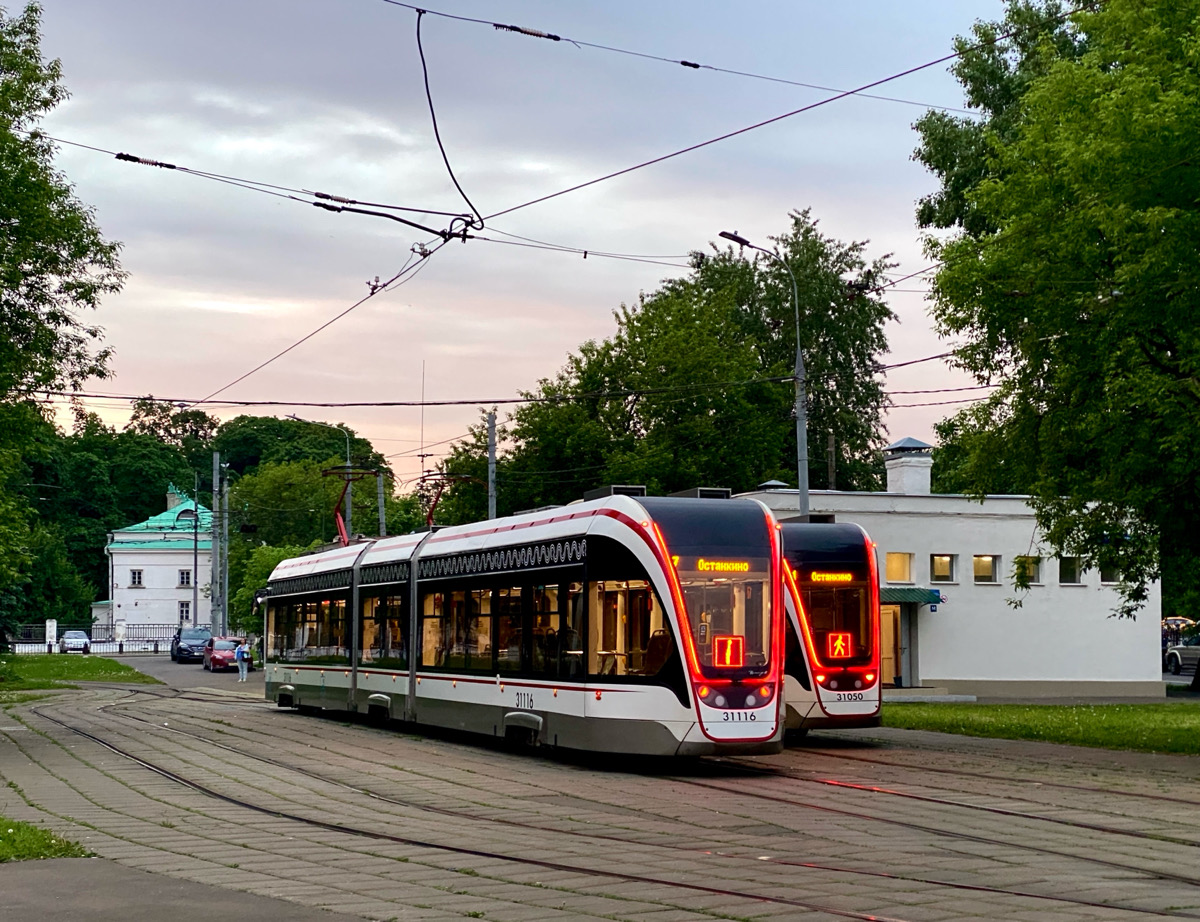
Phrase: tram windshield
[729,610]
[839,618]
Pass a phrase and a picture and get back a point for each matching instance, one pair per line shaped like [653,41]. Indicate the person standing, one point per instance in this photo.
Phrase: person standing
[242,655]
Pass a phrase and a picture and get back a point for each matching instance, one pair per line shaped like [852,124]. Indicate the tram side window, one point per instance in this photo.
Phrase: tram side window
[385,632]
[311,632]
[570,636]
[469,630]
[629,635]
[435,637]
[508,629]
[546,623]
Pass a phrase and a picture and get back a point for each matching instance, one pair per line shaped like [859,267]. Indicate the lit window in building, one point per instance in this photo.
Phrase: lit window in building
[898,567]
[987,568]
[1030,568]
[942,567]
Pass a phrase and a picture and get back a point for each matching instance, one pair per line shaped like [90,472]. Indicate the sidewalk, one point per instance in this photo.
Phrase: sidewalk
[104,891]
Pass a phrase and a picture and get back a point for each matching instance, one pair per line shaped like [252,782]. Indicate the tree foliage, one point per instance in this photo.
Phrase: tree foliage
[54,263]
[1079,293]
[681,395]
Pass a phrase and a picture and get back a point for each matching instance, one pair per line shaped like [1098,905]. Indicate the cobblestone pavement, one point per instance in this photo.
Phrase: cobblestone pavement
[213,783]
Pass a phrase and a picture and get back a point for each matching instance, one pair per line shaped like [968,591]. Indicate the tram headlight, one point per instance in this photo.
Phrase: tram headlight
[719,701]
[703,691]
[751,701]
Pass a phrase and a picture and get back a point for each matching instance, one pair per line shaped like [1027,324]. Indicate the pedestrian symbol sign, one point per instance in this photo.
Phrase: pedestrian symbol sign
[840,645]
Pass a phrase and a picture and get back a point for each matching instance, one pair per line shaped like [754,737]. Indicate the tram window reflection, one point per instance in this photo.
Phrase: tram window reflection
[630,636]
[546,623]
[384,632]
[312,631]
[433,629]
[508,629]
[570,638]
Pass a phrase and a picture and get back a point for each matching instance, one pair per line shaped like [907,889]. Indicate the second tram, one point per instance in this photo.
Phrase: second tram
[832,674]
[650,625]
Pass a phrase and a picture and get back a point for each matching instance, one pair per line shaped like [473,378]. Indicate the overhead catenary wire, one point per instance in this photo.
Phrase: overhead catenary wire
[690,65]
[761,124]
[477,223]
[407,272]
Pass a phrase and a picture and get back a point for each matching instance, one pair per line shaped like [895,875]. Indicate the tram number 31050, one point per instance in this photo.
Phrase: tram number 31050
[728,716]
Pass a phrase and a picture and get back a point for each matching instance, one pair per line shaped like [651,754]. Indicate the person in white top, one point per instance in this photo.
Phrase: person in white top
[242,655]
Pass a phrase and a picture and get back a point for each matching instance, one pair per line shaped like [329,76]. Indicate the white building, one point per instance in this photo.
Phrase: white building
[154,565]
[951,614]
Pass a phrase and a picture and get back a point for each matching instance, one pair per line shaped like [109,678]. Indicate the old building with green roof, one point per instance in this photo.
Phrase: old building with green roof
[154,566]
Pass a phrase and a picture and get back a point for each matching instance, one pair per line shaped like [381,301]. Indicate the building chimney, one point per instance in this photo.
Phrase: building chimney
[909,467]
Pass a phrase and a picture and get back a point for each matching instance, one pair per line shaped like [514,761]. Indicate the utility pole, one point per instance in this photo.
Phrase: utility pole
[801,395]
[491,420]
[195,552]
[832,461]
[225,557]
[215,581]
[382,507]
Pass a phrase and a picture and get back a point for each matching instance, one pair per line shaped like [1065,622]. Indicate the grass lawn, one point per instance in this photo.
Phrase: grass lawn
[1142,727]
[22,673]
[23,842]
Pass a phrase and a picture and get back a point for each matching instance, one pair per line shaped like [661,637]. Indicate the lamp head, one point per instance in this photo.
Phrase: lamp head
[734,236]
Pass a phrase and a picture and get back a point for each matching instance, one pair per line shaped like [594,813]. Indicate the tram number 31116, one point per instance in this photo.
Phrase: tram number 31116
[728,716]
[525,700]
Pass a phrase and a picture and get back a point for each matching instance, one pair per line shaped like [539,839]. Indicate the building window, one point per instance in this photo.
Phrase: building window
[135,578]
[1070,573]
[185,579]
[942,568]
[898,567]
[1110,574]
[1029,569]
[987,566]
[185,611]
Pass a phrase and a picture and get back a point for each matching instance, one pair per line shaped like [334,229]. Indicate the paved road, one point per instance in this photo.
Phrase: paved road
[205,782]
[193,675]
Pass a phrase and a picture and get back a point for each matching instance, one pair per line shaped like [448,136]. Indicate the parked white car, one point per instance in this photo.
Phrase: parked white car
[74,642]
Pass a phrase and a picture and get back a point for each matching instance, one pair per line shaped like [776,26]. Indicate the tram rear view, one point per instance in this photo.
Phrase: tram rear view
[832,669]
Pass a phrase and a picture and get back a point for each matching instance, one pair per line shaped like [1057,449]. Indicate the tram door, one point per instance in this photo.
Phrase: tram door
[889,643]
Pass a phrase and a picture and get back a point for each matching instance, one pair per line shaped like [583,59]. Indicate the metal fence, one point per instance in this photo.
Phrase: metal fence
[137,638]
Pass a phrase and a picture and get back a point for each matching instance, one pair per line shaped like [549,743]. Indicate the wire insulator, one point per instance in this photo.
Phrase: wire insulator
[691,64]
[335,198]
[533,33]
[131,158]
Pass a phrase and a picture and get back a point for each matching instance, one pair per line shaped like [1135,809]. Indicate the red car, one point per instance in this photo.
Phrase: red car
[218,653]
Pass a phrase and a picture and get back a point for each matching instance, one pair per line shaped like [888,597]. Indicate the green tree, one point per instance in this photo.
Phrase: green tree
[681,395]
[255,571]
[191,431]
[54,267]
[246,442]
[54,263]
[1080,296]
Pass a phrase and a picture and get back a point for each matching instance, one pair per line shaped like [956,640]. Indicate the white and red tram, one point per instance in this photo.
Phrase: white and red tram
[832,677]
[650,625]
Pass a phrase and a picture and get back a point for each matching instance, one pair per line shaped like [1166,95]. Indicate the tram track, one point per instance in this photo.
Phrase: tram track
[458,814]
[1007,779]
[944,802]
[378,835]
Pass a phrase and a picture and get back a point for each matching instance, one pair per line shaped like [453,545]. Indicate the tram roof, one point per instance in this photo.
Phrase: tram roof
[556,522]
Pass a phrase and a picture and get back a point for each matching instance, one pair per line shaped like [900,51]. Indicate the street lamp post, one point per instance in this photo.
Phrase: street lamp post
[801,397]
[346,432]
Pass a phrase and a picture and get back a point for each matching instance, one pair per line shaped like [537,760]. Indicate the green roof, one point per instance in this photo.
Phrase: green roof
[171,519]
[168,544]
[893,595]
